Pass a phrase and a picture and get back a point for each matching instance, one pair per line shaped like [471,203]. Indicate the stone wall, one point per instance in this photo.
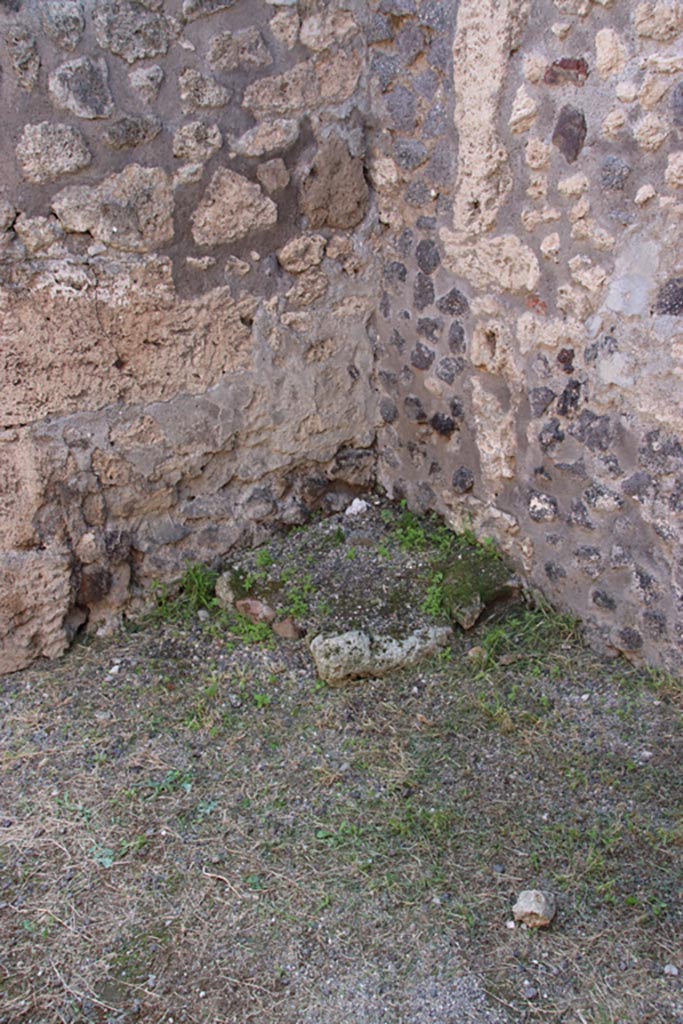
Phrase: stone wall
[185,288]
[531,346]
[253,252]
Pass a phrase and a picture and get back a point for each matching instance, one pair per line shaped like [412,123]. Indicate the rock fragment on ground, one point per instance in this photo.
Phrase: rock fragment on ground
[534,908]
[357,655]
[257,611]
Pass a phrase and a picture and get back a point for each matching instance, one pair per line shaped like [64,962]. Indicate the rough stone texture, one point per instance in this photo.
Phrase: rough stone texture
[23,53]
[82,87]
[63,22]
[273,175]
[267,137]
[199,91]
[534,908]
[231,208]
[132,210]
[245,48]
[335,193]
[197,141]
[147,82]
[130,31]
[356,655]
[47,151]
[569,134]
[134,130]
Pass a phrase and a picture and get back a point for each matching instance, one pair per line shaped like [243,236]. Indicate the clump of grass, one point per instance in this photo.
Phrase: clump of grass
[194,591]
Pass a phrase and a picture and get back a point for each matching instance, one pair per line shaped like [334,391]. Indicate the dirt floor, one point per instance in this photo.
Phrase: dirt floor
[194,828]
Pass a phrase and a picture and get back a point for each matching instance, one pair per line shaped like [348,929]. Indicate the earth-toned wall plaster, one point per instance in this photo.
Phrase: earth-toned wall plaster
[253,253]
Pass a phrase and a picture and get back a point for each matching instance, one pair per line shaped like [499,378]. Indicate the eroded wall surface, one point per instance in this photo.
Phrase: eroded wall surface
[530,331]
[185,287]
[252,251]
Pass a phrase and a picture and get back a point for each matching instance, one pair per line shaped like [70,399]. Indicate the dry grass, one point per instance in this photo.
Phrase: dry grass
[206,834]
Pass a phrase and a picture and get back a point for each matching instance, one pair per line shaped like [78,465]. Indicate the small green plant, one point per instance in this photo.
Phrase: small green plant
[195,591]
[251,632]
[262,700]
[264,559]
[298,597]
[433,603]
[409,531]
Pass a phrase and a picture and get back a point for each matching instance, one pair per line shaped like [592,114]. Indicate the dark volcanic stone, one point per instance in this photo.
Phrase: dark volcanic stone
[426,84]
[379,30]
[568,402]
[385,68]
[438,14]
[601,599]
[398,7]
[422,357]
[436,122]
[677,104]
[565,358]
[429,328]
[655,623]
[457,409]
[442,424]
[410,42]
[456,337]
[414,409]
[637,485]
[578,516]
[663,454]
[440,54]
[395,272]
[539,400]
[670,298]
[601,497]
[551,435]
[629,639]
[448,369]
[554,572]
[410,154]
[463,480]
[567,70]
[133,130]
[426,223]
[402,107]
[404,244]
[593,431]
[439,170]
[570,133]
[423,292]
[388,410]
[397,340]
[453,303]
[427,256]
[418,194]
[613,173]
[542,507]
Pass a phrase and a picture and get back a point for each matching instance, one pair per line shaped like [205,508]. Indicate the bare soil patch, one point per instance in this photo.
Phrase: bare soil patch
[194,829]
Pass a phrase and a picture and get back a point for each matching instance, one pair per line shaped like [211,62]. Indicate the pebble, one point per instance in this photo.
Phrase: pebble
[255,610]
[357,507]
[534,908]
[671,971]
